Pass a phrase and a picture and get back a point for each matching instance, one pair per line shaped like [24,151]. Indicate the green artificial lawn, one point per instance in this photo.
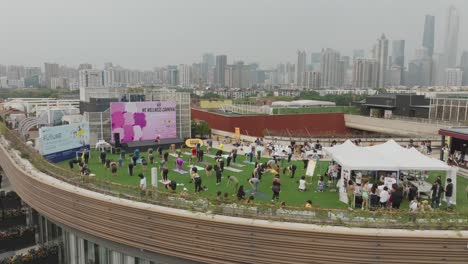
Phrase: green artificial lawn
[289,187]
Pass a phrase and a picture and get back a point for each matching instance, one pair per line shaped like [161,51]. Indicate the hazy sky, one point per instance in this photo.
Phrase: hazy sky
[147,33]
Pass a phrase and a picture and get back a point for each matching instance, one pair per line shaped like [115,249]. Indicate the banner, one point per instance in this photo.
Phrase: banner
[61,142]
[139,121]
[237,132]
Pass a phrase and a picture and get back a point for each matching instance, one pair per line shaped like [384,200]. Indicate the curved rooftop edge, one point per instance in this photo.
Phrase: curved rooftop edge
[224,239]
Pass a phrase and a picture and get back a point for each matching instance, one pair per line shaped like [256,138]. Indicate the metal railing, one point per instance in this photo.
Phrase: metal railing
[383,218]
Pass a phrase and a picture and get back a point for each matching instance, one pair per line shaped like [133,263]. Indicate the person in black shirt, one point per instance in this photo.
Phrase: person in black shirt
[219,174]
[200,154]
[396,197]
[234,155]
[102,156]
[449,192]
[134,159]
[108,161]
[437,190]
[166,156]
[165,172]
[86,156]
[130,169]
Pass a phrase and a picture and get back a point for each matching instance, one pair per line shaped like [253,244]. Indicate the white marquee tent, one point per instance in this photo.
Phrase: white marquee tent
[389,156]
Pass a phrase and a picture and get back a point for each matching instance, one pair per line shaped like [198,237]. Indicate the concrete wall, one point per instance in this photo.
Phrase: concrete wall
[390,126]
[261,125]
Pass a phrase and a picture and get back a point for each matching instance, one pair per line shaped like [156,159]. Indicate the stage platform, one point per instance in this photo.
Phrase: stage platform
[146,144]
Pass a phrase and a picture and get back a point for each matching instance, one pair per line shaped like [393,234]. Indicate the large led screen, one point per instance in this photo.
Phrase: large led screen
[138,121]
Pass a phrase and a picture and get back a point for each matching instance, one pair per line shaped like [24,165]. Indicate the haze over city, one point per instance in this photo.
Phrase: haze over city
[144,34]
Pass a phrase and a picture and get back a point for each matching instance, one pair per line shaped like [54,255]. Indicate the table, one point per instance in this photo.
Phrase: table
[423,187]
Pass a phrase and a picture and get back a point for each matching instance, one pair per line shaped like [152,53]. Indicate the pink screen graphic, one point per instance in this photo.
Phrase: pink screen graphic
[138,121]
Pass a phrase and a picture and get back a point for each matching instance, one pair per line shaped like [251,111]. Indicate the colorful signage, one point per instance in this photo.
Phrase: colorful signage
[192,142]
[61,142]
[139,121]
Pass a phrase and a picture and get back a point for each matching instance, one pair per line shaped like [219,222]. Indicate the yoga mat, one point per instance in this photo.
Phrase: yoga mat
[257,194]
[180,172]
[232,169]
[164,182]
[198,167]
[237,165]
[173,155]
[205,162]
[246,161]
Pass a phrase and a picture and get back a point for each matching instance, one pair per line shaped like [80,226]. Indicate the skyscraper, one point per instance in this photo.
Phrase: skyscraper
[365,73]
[300,67]
[219,78]
[398,56]
[208,62]
[51,70]
[185,75]
[451,37]
[381,55]
[330,68]
[428,35]
[464,67]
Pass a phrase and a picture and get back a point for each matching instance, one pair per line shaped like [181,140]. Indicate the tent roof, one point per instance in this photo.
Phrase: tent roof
[387,156]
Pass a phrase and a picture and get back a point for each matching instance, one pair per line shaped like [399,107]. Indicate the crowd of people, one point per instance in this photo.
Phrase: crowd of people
[361,193]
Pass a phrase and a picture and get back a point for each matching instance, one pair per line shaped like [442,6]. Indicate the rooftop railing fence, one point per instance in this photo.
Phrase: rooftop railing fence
[382,218]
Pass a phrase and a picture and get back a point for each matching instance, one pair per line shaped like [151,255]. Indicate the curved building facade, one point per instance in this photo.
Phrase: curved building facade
[99,228]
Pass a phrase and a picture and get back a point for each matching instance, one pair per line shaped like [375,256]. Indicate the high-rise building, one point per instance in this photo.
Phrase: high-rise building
[429,33]
[85,66]
[358,54]
[91,78]
[312,80]
[15,72]
[330,68]
[3,70]
[381,55]
[451,37]
[315,58]
[221,62]
[300,67]
[365,73]
[51,70]
[464,67]
[173,75]
[453,77]
[398,59]
[394,75]
[185,75]
[208,62]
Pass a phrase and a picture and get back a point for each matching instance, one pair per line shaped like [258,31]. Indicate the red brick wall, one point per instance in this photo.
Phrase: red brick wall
[325,124]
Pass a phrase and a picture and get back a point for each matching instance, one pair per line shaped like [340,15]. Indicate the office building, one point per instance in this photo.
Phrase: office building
[398,59]
[428,35]
[51,70]
[312,80]
[331,70]
[365,73]
[85,66]
[173,75]
[464,67]
[381,55]
[185,75]
[451,37]
[300,67]
[220,68]
[91,79]
[453,77]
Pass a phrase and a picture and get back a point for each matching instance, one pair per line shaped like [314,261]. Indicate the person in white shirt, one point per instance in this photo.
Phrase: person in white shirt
[302,184]
[384,196]
[142,183]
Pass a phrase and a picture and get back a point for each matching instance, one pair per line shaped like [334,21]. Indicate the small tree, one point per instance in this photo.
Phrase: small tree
[203,128]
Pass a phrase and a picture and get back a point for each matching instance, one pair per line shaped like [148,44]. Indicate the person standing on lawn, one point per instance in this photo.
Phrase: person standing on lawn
[449,192]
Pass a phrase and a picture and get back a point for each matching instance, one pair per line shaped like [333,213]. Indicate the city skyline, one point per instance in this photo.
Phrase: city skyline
[249,32]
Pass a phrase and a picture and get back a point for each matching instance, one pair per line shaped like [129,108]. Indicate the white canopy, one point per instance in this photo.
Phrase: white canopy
[386,156]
